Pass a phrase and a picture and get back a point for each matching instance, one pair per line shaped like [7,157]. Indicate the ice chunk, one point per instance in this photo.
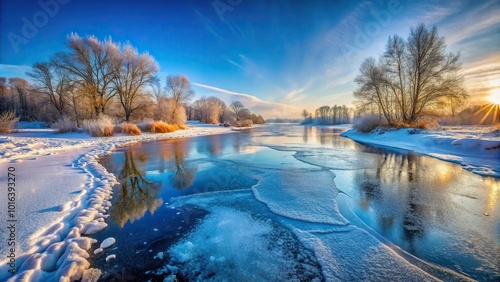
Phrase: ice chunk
[159,255]
[307,196]
[231,245]
[98,250]
[110,257]
[108,242]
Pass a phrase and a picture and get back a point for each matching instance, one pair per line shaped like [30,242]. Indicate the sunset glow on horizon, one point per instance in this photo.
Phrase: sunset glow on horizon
[288,54]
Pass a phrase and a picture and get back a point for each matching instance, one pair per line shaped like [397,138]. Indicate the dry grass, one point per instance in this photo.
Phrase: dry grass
[64,125]
[184,127]
[421,123]
[127,128]
[160,127]
[7,122]
[244,123]
[101,127]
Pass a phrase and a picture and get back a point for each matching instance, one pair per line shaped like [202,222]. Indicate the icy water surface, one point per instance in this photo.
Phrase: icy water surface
[288,202]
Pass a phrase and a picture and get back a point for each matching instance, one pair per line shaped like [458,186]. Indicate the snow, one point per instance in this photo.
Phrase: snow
[312,203]
[477,149]
[234,243]
[110,257]
[62,193]
[108,242]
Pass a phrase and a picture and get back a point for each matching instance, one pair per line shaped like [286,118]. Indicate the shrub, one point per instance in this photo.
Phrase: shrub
[244,123]
[182,126]
[145,126]
[368,123]
[7,122]
[158,127]
[127,128]
[103,126]
[64,124]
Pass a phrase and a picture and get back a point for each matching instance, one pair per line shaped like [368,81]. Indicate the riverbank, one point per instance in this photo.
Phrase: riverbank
[477,149]
[61,193]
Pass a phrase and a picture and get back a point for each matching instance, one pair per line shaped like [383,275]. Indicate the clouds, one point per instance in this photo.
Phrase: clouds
[301,53]
[14,71]
[256,105]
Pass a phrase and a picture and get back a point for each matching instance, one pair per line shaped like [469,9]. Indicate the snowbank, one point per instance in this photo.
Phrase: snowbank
[477,150]
[54,215]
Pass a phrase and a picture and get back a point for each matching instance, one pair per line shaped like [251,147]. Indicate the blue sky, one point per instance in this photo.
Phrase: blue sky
[277,57]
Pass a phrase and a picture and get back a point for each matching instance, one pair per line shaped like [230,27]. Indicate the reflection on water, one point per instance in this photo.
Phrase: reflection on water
[432,209]
[135,195]
[152,173]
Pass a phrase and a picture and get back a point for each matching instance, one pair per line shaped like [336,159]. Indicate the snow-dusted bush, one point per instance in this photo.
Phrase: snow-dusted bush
[368,123]
[64,125]
[8,121]
[244,123]
[103,126]
[127,128]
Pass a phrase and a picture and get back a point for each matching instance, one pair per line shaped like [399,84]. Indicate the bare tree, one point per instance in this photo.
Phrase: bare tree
[131,73]
[411,78]
[53,83]
[21,87]
[238,109]
[179,93]
[305,114]
[89,63]
[6,102]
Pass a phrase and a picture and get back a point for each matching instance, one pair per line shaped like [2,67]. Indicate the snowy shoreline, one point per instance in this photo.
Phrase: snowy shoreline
[475,150]
[54,249]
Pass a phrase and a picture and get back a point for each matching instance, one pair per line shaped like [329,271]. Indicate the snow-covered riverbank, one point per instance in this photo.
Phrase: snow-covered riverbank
[61,193]
[477,149]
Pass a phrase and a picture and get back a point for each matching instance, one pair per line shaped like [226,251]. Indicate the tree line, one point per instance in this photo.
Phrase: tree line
[328,115]
[92,78]
[213,110]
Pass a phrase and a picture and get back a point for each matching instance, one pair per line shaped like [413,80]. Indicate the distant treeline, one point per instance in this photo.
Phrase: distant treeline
[328,115]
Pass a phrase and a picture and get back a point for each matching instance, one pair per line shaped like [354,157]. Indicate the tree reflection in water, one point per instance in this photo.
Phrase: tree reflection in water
[183,174]
[407,194]
[135,195]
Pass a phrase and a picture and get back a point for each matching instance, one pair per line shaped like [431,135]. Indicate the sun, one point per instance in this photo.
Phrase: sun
[495,96]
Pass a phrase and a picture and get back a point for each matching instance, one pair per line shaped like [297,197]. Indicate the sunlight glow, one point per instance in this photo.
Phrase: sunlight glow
[495,96]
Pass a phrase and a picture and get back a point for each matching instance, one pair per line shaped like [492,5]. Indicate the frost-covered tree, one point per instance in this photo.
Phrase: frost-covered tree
[178,92]
[89,62]
[412,77]
[132,72]
[209,110]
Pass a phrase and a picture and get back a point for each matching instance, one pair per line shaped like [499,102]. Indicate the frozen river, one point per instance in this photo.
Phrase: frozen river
[288,202]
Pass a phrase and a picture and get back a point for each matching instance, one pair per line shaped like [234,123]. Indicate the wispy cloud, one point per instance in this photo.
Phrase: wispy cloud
[472,22]
[234,63]
[267,109]
[14,71]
